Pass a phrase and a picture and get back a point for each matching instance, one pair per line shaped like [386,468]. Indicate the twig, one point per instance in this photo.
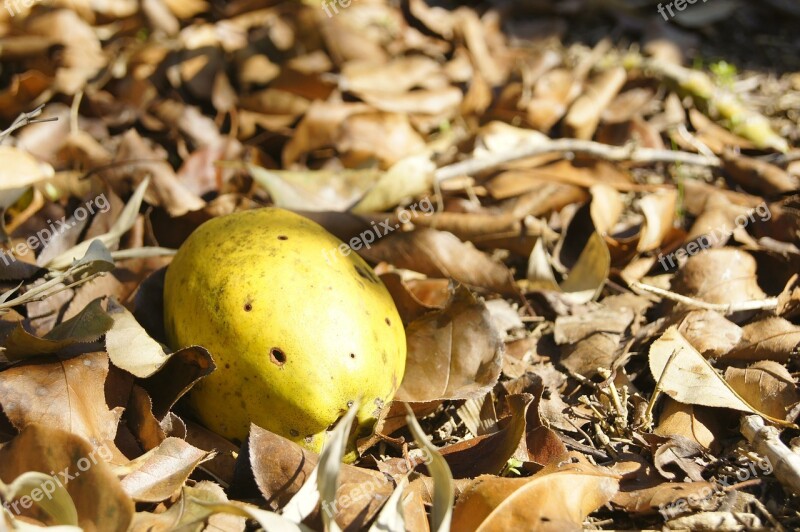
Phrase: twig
[770,303]
[647,417]
[24,119]
[766,440]
[585,147]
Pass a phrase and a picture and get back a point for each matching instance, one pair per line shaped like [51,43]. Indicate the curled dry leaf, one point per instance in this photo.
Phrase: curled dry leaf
[659,213]
[100,500]
[557,498]
[140,419]
[176,377]
[454,353]
[679,452]
[166,190]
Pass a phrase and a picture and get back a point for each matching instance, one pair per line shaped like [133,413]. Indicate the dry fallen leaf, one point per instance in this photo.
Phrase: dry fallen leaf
[688,378]
[454,353]
[555,499]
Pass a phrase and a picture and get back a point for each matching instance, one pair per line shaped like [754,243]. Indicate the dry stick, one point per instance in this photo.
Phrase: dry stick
[25,119]
[766,441]
[770,303]
[647,420]
[586,147]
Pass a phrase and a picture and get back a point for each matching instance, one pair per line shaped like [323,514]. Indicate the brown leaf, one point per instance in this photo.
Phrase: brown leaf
[689,421]
[759,176]
[160,473]
[187,512]
[63,394]
[165,189]
[584,115]
[768,339]
[454,353]
[409,307]
[183,369]
[139,417]
[689,378]
[719,276]
[554,499]
[281,467]
[766,385]
[709,332]
[668,495]
[488,454]
[100,500]
[441,254]
[385,137]
[679,451]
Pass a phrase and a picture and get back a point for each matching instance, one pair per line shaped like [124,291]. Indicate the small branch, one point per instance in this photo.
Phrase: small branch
[770,303]
[24,119]
[766,441]
[584,147]
[647,418]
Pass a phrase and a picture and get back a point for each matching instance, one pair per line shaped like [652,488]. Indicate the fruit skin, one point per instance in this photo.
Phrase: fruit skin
[250,283]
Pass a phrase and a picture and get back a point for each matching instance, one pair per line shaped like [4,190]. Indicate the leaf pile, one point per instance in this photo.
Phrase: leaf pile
[593,247]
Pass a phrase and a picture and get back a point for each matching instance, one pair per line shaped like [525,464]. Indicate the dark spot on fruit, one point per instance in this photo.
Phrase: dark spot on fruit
[294,433]
[248,307]
[383,357]
[388,321]
[352,355]
[366,274]
[283,237]
[308,439]
[227,366]
[277,357]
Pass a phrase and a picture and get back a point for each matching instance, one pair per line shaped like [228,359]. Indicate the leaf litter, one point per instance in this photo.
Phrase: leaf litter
[601,309]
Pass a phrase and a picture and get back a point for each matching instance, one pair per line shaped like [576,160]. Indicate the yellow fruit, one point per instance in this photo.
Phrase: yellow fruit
[298,330]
